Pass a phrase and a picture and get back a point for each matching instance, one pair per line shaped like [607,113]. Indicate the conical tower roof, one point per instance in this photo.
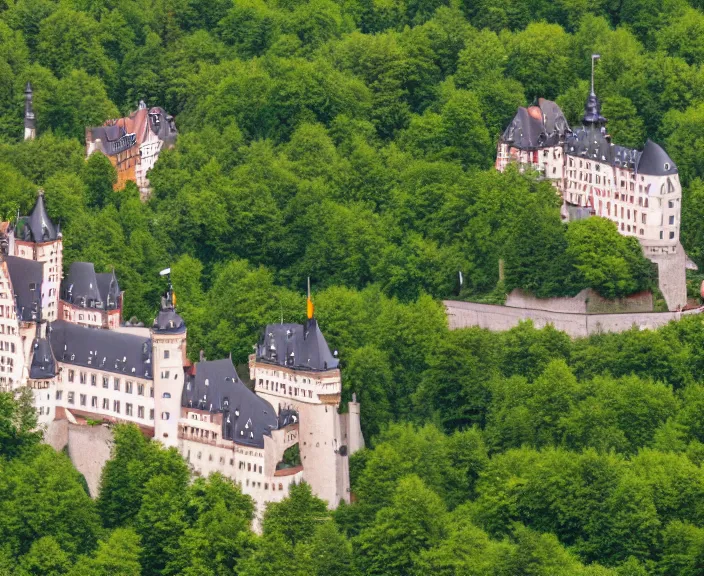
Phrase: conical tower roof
[37,227]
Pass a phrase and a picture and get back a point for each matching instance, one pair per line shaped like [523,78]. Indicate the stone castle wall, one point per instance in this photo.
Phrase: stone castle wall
[672,276]
[88,447]
[576,325]
[586,302]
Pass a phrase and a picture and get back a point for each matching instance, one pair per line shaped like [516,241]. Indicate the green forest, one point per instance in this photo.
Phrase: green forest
[352,142]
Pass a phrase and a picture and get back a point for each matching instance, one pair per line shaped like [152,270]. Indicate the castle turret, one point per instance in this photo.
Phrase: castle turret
[168,355]
[293,368]
[36,237]
[29,119]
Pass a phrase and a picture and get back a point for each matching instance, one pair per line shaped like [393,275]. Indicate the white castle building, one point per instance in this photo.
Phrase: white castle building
[85,365]
[638,189]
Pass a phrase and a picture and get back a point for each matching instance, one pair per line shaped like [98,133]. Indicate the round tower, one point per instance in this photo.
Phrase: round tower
[168,356]
[29,119]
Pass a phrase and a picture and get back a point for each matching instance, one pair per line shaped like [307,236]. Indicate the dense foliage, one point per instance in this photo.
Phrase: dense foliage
[352,141]
[348,141]
[516,453]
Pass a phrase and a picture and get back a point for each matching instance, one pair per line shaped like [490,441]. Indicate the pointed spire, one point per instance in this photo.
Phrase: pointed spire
[595,57]
[309,303]
[29,119]
[592,108]
[41,227]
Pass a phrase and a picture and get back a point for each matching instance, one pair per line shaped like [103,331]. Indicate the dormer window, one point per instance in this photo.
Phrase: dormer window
[667,165]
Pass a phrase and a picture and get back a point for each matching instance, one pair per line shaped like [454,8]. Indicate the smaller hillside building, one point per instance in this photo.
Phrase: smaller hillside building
[639,190]
[133,143]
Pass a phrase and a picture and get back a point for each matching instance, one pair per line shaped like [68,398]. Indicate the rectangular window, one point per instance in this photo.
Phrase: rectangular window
[84,399]
[106,404]
[140,411]
[642,218]
[70,376]
[59,394]
[672,220]
[164,373]
[166,354]
[116,406]
[151,414]
[116,384]
[128,409]
[670,203]
[140,389]
[70,397]
[151,391]
[94,402]
[128,387]
[672,235]
[82,378]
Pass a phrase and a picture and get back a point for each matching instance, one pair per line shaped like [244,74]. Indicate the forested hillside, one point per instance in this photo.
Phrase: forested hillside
[348,141]
[352,141]
[515,453]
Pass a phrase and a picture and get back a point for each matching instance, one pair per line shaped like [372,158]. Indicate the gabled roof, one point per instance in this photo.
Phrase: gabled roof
[122,133]
[215,387]
[109,289]
[81,286]
[108,350]
[296,346]
[43,364]
[37,227]
[537,126]
[26,277]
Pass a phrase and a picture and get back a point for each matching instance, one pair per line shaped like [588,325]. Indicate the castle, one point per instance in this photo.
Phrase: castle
[133,143]
[66,341]
[637,189]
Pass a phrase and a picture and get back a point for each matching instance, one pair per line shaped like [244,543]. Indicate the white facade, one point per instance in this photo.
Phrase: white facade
[315,395]
[149,154]
[12,352]
[51,255]
[645,206]
[168,357]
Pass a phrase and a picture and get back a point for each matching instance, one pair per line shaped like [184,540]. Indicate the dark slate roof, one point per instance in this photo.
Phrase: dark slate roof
[43,363]
[26,277]
[296,346]
[81,286]
[544,125]
[592,111]
[655,161]
[37,227]
[167,321]
[215,387]
[124,354]
[537,126]
[287,416]
[114,139]
[109,289]
[162,124]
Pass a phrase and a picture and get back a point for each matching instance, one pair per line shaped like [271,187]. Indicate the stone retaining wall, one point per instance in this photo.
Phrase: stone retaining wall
[576,325]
